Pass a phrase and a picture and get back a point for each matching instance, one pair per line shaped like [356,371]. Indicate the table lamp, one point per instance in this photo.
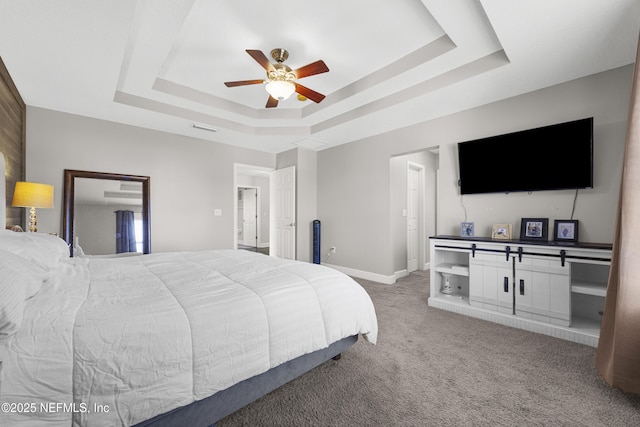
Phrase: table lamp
[33,195]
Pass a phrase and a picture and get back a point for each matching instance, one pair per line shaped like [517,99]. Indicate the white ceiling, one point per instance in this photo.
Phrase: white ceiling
[162,64]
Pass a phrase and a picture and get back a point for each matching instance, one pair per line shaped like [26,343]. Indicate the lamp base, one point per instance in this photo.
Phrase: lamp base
[32,220]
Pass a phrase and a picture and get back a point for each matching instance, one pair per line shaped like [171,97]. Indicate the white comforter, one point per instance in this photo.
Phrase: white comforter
[118,341]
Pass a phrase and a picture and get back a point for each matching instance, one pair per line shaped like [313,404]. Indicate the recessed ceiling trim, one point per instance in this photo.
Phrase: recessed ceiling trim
[466,71]
[194,95]
[172,110]
[416,58]
[455,75]
[160,107]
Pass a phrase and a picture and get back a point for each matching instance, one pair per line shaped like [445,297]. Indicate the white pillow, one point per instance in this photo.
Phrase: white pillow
[44,250]
[18,281]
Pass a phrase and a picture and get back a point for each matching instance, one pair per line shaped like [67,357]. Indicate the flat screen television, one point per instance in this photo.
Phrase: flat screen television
[555,157]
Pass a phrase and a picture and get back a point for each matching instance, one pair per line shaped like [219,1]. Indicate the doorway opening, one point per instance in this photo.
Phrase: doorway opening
[252,210]
[248,207]
[413,208]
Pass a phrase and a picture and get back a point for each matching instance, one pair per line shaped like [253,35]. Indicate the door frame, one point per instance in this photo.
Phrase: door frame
[421,220]
[241,168]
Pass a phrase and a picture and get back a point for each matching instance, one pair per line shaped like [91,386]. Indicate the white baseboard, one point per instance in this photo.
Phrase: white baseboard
[400,274]
[380,278]
[375,277]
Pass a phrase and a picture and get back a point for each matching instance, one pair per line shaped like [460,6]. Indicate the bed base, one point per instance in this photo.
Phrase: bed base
[207,412]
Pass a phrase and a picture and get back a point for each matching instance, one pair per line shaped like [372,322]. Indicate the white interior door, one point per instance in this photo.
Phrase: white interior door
[282,187]
[413,214]
[250,216]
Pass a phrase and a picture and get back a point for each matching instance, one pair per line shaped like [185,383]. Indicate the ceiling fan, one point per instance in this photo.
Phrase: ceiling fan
[281,80]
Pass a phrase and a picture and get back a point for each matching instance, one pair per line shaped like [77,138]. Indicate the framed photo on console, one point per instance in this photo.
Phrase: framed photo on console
[501,231]
[466,229]
[565,230]
[534,229]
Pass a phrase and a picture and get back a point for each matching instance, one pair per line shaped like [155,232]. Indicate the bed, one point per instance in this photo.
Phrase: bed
[181,338]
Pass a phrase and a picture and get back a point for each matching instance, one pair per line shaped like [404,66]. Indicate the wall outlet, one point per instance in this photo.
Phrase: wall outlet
[332,250]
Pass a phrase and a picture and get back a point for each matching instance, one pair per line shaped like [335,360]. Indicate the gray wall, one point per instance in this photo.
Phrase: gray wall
[190,178]
[354,179]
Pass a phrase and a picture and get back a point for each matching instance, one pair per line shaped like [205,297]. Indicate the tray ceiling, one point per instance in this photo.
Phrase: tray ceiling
[161,65]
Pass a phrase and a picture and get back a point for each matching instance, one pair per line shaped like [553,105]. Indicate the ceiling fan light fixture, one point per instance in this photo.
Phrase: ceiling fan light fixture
[280,89]
[281,79]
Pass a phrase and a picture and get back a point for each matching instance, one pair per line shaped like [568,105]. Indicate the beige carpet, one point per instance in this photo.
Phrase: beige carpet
[435,368]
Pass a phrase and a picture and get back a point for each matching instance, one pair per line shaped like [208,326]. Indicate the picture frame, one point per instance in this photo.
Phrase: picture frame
[534,229]
[467,229]
[565,230]
[501,231]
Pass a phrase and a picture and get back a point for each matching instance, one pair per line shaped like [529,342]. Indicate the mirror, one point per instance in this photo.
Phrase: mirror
[91,200]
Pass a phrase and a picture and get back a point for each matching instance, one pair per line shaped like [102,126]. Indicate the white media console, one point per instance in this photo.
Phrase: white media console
[551,288]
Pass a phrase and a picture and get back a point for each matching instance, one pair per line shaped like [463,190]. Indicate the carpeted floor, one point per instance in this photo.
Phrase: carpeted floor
[436,368]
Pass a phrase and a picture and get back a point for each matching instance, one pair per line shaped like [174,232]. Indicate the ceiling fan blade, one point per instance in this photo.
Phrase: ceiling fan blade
[261,59]
[271,102]
[317,67]
[243,83]
[311,94]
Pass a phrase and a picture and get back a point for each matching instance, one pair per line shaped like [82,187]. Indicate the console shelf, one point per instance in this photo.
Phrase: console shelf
[457,269]
[595,289]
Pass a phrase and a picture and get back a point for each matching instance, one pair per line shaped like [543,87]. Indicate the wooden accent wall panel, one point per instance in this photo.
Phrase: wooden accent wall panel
[12,140]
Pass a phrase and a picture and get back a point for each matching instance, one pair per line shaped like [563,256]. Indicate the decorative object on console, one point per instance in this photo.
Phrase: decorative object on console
[534,229]
[501,231]
[466,229]
[33,195]
[565,230]
[448,289]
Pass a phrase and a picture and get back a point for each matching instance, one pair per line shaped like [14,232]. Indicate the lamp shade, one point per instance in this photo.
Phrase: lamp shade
[280,89]
[33,195]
